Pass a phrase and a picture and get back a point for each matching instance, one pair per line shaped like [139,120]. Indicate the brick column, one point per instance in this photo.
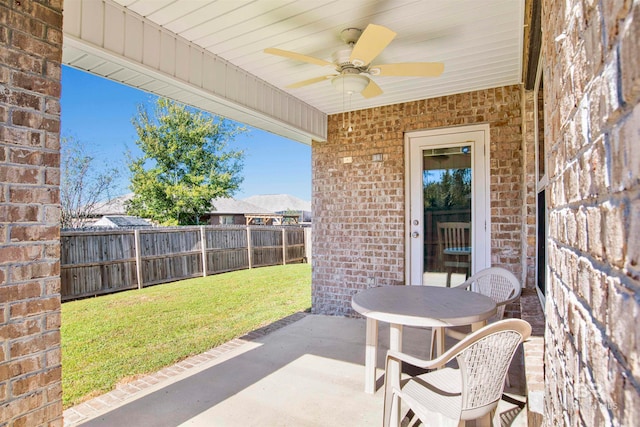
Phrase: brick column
[30,370]
[592,118]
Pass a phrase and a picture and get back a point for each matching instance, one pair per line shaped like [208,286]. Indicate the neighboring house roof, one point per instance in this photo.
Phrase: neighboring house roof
[228,205]
[121,221]
[115,206]
[279,202]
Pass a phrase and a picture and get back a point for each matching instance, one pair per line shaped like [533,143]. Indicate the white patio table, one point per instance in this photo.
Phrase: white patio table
[422,306]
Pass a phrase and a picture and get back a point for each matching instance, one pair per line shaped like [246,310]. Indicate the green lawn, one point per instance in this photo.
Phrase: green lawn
[109,338]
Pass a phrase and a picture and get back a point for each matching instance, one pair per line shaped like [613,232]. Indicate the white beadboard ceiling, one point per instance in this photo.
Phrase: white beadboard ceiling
[479,42]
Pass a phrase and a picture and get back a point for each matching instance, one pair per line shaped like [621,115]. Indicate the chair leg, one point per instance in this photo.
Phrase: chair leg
[390,409]
[432,345]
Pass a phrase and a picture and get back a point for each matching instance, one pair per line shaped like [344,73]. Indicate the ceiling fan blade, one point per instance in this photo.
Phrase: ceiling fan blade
[308,82]
[372,41]
[371,90]
[415,69]
[298,56]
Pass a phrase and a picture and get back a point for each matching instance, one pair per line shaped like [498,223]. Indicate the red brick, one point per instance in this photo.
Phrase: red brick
[52,141]
[53,357]
[49,14]
[34,307]
[629,61]
[35,120]
[17,59]
[21,174]
[36,47]
[11,254]
[52,176]
[25,156]
[25,347]
[16,214]
[49,87]
[29,233]
[22,405]
[4,35]
[53,70]
[14,135]
[34,270]
[25,366]
[34,195]
[13,292]
[52,106]
[53,321]
[26,24]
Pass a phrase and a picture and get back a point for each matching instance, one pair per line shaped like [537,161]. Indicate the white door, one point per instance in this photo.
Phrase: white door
[447,189]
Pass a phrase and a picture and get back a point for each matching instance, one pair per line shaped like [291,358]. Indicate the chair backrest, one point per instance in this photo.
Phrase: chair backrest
[498,284]
[483,359]
[452,235]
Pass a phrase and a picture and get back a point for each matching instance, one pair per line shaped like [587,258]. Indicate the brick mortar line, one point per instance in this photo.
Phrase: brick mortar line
[104,403]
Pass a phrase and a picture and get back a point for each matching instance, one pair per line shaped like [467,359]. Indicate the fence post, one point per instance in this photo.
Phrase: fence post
[284,246]
[203,244]
[249,245]
[136,239]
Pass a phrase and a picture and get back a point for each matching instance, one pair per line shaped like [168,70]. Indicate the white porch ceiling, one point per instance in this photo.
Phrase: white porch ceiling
[479,41]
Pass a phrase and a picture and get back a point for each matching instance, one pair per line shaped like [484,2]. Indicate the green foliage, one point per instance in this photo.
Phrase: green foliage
[452,191]
[83,182]
[108,339]
[185,163]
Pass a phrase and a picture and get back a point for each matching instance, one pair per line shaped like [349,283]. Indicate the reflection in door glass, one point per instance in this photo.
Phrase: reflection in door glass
[446,178]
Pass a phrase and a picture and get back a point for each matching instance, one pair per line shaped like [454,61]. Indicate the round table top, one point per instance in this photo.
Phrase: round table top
[425,306]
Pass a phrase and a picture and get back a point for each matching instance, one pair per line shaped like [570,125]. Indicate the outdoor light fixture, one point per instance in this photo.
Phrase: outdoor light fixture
[350,83]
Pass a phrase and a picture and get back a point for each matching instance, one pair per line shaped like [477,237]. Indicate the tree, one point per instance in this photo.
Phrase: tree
[185,163]
[83,183]
[451,191]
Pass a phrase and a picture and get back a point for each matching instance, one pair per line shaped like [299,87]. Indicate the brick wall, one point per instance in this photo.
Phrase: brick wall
[358,224]
[30,371]
[592,116]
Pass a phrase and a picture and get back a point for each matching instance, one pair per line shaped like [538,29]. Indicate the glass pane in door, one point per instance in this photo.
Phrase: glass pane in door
[446,181]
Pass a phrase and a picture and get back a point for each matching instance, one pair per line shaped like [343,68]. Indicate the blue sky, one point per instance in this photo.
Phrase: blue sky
[98,112]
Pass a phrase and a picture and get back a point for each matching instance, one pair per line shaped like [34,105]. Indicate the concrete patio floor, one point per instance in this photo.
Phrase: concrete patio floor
[306,370]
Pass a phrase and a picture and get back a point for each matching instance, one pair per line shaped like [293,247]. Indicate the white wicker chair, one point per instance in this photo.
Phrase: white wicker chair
[498,284]
[449,395]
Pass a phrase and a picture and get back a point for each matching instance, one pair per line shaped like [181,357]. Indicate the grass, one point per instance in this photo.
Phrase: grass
[107,339]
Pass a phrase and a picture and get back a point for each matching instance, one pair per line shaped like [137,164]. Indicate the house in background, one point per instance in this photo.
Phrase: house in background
[121,221]
[229,211]
[284,204]
[115,206]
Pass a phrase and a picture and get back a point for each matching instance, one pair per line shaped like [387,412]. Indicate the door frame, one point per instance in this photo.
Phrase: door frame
[480,189]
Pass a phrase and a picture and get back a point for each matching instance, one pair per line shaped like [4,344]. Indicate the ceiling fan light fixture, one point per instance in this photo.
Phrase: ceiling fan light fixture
[350,83]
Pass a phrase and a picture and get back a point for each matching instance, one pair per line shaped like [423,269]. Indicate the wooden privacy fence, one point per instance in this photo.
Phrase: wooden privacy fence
[100,262]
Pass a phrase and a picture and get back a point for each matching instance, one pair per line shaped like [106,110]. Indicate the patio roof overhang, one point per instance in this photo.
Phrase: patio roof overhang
[142,62]
[210,55]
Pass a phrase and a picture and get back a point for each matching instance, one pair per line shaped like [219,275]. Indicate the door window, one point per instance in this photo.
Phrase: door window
[447,197]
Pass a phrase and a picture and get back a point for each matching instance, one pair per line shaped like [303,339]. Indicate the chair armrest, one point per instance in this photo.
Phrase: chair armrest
[420,363]
[466,284]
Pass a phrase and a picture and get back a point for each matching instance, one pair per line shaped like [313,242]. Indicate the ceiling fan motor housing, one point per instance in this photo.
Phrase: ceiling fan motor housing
[350,35]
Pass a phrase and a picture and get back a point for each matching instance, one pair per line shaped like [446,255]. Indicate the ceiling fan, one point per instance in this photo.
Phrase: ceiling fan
[353,63]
